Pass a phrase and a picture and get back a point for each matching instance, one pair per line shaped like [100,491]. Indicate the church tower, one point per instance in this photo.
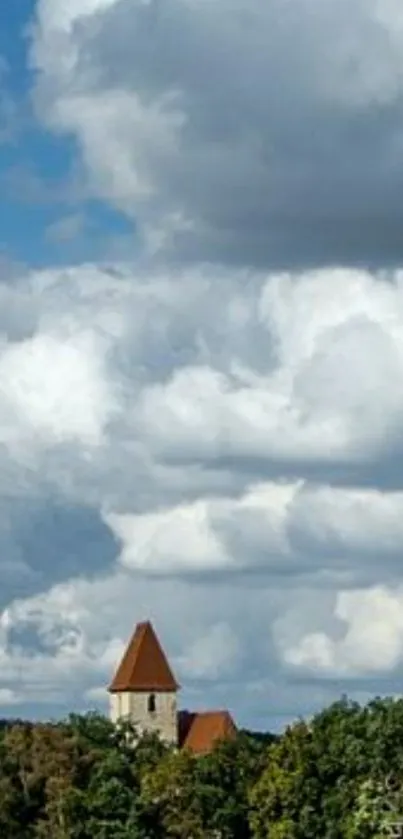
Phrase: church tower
[144,689]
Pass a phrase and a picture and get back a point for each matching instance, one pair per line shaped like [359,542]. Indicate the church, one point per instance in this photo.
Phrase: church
[145,691]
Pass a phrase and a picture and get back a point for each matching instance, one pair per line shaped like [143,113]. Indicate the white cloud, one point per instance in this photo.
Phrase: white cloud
[197,537]
[177,540]
[371,640]
[54,388]
[64,654]
[347,522]
[235,434]
[177,112]
[81,627]
[333,394]
[58,15]
[161,376]
[190,411]
[8,697]
[291,529]
[238,431]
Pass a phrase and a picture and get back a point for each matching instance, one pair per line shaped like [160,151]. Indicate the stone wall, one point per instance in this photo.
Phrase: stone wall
[135,706]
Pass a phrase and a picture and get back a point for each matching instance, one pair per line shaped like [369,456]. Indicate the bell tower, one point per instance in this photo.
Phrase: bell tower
[144,689]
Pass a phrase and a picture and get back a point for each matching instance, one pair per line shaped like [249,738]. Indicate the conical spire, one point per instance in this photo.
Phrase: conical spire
[144,666]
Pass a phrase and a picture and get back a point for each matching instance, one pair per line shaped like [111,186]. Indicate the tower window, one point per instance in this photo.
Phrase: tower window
[152,705]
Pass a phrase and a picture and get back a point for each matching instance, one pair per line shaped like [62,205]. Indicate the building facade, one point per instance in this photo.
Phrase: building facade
[144,690]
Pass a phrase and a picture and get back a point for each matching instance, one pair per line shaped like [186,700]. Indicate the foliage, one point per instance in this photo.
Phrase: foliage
[318,776]
[340,776]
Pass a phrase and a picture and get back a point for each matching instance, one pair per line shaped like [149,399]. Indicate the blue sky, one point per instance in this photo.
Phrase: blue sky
[201,356]
[40,183]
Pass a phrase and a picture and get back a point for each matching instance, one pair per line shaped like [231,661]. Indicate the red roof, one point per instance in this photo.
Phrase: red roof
[200,732]
[144,665]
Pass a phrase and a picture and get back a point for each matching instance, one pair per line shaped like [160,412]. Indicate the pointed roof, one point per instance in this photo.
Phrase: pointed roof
[200,732]
[144,665]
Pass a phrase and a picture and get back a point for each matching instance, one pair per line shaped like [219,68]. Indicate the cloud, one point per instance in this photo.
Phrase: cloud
[70,642]
[371,639]
[161,365]
[289,531]
[61,655]
[328,356]
[215,655]
[206,452]
[240,132]
[8,697]
[78,630]
[341,522]
[212,535]
[54,388]
[179,540]
[66,228]
[209,436]
[202,387]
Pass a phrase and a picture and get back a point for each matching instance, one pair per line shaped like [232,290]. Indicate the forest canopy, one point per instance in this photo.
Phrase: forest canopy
[338,776]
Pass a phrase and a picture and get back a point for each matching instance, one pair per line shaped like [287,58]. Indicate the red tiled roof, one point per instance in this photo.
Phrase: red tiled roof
[144,665]
[200,732]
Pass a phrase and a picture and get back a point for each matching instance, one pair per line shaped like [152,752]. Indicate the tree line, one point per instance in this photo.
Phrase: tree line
[338,776]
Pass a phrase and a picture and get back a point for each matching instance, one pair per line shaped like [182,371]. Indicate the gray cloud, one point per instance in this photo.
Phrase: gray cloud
[131,404]
[212,446]
[265,134]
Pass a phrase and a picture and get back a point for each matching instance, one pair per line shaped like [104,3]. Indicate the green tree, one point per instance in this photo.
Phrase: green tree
[279,805]
[169,798]
[223,781]
[377,810]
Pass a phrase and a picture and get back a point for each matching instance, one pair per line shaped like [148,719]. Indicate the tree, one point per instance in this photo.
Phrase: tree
[169,798]
[279,805]
[223,781]
[378,811]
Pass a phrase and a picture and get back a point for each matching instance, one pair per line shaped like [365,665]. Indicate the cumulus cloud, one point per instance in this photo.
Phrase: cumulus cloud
[78,630]
[346,522]
[60,654]
[242,132]
[179,540]
[276,374]
[55,388]
[229,444]
[290,531]
[213,535]
[210,437]
[331,352]
[370,639]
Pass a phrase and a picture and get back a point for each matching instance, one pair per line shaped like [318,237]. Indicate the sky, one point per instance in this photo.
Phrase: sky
[201,350]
